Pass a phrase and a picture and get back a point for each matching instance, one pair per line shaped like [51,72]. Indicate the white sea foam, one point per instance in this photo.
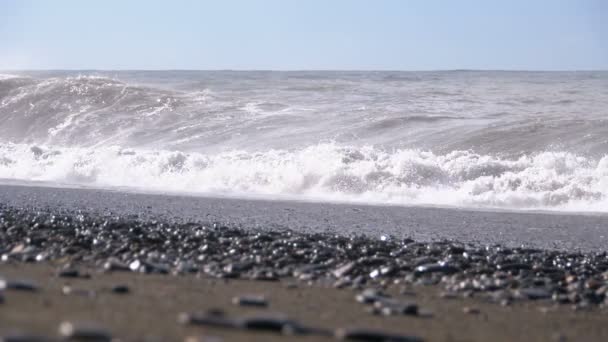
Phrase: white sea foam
[547,180]
[7,76]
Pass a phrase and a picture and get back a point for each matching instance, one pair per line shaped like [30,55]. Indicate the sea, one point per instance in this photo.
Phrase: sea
[508,140]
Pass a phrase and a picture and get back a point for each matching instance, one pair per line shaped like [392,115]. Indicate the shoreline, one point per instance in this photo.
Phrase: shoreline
[565,231]
[289,199]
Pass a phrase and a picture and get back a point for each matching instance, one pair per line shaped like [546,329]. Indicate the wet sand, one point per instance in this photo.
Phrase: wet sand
[558,231]
[152,307]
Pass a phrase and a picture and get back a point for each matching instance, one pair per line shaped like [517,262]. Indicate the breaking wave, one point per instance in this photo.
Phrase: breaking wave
[467,139]
[547,180]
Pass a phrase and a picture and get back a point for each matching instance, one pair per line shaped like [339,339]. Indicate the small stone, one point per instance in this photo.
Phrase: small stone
[185,267]
[357,334]
[275,323]
[471,310]
[342,283]
[534,293]
[264,275]
[369,296]
[389,306]
[436,268]
[593,284]
[69,290]
[70,272]
[120,289]
[207,319]
[258,301]
[560,298]
[215,312]
[83,332]
[113,264]
[20,285]
[344,270]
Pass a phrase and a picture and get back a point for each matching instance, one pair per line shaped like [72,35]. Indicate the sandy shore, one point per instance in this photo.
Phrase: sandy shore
[151,308]
[315,259]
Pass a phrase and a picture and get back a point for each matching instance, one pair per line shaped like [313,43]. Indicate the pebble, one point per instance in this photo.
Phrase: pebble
[250,300]
[113,264]
[70,272]
[436,268]
[83,332]
[370,296]
[471,310]
[358,334]
[207,319]
[276,323]
[389,306]
[20,285]
[534,293]
[120,289]
[69,290]
[23,337]
[344,270]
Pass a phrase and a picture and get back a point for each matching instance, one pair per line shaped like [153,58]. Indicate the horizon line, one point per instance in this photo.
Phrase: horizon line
[305,70]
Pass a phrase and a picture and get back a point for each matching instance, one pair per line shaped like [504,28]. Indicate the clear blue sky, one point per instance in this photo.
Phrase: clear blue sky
[304,34]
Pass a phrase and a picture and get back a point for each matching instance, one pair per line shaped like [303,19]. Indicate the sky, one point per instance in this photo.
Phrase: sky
[304,34]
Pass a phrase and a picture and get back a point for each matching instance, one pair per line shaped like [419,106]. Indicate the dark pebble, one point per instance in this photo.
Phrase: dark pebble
[276,323]
[470,310]
[370,296]
[389,307]
[208,319]
[258,301]
[113,264]
[534,293]
[436,268]
[83,332]
[20,285]
[120,289]
[70,272]
[373,336]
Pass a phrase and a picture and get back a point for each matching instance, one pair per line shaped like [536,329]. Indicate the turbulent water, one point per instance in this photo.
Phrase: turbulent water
[516,140]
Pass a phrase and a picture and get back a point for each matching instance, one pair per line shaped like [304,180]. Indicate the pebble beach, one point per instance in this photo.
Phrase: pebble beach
[85,272]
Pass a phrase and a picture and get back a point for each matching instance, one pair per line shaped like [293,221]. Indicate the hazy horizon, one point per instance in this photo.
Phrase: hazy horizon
[306,70]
